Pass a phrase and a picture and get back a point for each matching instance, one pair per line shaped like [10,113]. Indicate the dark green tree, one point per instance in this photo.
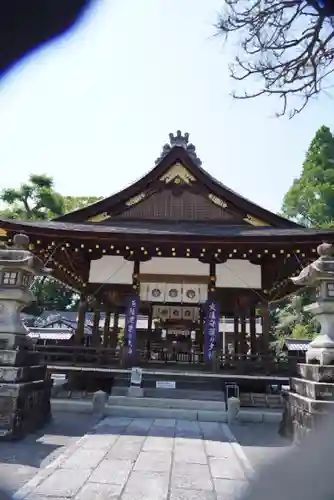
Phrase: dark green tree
[51,294]
[75,202]
[293,321]
[310,200]
[35,199]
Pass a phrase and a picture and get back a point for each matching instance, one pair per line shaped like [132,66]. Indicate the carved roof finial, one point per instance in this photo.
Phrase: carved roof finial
[179,140]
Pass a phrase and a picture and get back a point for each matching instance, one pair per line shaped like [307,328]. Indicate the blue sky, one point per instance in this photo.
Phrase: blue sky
[94,110]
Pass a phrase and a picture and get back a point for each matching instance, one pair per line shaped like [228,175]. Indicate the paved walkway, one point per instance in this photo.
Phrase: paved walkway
[145,459]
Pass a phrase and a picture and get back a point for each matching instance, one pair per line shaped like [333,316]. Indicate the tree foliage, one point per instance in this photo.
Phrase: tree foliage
[38,200]
[76,202]
[51,294]
[293,321]
[310,200]
[286,45]
[35,199]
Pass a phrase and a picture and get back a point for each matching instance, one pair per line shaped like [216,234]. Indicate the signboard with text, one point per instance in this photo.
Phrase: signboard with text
[211,328]
[131,323]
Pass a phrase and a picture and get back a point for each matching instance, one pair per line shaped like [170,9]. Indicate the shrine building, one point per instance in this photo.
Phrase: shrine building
[172,259]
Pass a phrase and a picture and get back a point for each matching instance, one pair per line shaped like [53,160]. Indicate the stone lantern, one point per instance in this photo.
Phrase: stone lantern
[24,385]
[311,394]
[320,275]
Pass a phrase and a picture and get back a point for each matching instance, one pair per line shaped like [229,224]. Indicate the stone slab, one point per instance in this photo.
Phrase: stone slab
[19,358]
[144,485]
[226,468]
[191,476]
[318,373]
[228,489]
[71,405]
[84,458]
[150,412]
[135,391]
[190,455]
[314,390]
[177,403]
[182,494]
[309,405]
[96,491]
[17,374]
[159,461]
[63,483]
[112,471]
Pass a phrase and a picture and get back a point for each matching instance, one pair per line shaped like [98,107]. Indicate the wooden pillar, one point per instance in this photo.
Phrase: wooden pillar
[80,329]
[201,323]
[243,332]
[252,331]
[149,328]
[106,328]
[115,328]
[96,323]
[265,328]
[243,304]
[236,332]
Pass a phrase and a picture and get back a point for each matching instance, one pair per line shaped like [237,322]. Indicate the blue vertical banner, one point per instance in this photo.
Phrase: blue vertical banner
[211,328]
[131,323]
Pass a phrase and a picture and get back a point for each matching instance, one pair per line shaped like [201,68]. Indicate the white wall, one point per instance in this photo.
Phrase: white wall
[232,274]
[111,269]
[173,265]
[238,273]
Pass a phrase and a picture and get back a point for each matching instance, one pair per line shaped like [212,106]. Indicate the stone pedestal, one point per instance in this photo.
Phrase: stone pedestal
[24,386]
[24,394]
[309,401]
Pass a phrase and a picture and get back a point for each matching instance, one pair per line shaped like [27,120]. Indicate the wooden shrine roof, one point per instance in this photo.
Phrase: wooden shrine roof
[178,188]
[165,231]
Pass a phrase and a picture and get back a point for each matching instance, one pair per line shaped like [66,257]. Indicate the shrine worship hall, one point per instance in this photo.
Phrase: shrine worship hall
[182,270]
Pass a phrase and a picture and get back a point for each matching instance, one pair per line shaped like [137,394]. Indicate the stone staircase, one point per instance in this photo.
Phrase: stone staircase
[168,407]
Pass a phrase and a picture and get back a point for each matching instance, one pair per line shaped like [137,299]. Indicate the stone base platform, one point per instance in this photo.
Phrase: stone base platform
[309,401]
[25,393]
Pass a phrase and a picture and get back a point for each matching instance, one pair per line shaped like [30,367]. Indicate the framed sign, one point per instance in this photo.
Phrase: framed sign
[136,376]
[165,384]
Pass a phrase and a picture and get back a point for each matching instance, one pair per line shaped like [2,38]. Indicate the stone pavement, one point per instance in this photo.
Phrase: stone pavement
[145,459]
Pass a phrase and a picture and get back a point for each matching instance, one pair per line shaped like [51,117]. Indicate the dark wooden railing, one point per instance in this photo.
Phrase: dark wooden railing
[114,358]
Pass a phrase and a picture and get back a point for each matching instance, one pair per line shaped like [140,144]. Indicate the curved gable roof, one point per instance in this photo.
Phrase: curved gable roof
[178,154]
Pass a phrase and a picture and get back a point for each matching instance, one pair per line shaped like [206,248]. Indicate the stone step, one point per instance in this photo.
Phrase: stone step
[174,393]
[251,416]
[155,412]
[167,403]
[261,400]
[182,381]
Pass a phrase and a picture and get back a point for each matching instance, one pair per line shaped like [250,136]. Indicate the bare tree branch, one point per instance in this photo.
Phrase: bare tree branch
[287,45]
